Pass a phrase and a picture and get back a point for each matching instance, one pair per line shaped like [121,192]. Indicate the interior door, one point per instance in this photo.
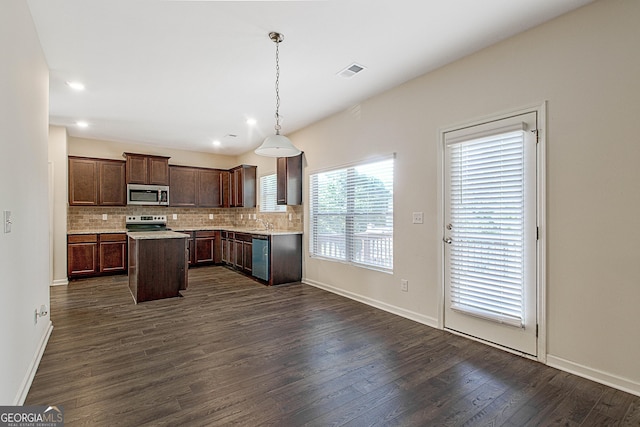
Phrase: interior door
[490,231]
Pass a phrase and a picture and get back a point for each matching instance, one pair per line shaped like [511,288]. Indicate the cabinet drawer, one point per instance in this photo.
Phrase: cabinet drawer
[244,237]
[205,234]
[82,238]
[113,237]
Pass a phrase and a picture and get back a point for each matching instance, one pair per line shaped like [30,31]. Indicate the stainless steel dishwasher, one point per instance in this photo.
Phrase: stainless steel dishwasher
[260,257]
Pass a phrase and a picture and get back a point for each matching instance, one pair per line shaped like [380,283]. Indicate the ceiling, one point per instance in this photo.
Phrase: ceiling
[182,74]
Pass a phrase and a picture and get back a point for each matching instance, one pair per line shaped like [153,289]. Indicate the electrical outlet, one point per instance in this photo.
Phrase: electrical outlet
[418,218]
[105,217]
[210,216]
[175,216]
[404,285]
[7,221]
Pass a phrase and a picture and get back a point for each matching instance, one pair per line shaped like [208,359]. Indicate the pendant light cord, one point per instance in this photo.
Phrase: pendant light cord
[277,127]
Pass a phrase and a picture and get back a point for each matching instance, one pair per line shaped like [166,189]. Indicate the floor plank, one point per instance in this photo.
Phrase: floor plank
[231,351]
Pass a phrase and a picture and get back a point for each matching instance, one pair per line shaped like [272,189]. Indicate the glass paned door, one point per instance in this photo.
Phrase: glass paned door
[490,232]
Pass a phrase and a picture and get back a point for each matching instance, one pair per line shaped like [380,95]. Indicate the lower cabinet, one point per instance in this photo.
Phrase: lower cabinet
[283,260]
[207,247]
[204,247]
[113,253]
[96,254]
[82,255]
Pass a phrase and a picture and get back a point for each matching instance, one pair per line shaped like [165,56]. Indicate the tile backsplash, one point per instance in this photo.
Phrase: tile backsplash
[81,218]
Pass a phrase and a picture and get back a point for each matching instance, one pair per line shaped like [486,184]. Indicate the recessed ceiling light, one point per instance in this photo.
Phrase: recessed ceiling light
[82,124]
[75,85]
[216,143]
[251,122]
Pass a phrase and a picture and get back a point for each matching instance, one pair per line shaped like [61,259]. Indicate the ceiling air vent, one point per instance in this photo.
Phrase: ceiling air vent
[351,71]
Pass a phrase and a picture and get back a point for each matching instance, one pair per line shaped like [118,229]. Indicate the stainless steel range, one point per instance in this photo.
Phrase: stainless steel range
[146,223]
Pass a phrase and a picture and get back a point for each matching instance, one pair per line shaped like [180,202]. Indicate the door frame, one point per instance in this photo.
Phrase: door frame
[541,259]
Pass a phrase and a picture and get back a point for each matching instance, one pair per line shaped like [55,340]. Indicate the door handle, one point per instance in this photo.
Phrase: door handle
[447,240]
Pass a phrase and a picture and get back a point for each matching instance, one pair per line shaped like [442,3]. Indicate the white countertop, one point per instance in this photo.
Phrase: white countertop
[246,230]
[147,235]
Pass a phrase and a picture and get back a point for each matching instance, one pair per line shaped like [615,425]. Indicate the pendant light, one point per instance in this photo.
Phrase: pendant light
[277,145]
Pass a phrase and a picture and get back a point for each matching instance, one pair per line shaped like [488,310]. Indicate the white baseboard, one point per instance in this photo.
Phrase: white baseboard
[412,315]
[594,374]
[60,282]
[33,367]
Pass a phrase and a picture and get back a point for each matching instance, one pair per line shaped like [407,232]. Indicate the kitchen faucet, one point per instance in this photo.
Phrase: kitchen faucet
[266,224]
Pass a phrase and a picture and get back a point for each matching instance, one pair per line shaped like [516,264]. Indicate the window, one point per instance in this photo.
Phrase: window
[351,214]
[269,195]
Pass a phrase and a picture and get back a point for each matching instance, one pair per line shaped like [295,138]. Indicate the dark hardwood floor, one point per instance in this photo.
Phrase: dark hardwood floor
[233,352]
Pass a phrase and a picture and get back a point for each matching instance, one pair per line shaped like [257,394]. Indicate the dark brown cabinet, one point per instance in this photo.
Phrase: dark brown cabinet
[289,180]
[95,254]
[82,255]
[157,267]
[96,182]
[195,187]
[209,188]
[113,253]
[285,258]
[237,250]
[111,183]
[146,169]
[243,187]
[207,247]
[204,247]
[183,184]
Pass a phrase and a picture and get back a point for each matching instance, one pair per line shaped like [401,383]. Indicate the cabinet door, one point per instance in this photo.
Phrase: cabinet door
[247,256]
[111,183]
[205,247]
[225,189]
[113,253]
[238,249]
[289,180]
[236,185]
[225,250]
[209,192]
[82,255]
[83,182]
[158,170]
[243,187]
[183,182]
[137,169]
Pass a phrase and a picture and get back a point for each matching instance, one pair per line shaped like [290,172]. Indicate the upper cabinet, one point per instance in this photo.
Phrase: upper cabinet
[146,169]
[289,180]
[243,186]
[196,187]
[183,183]
[96,182]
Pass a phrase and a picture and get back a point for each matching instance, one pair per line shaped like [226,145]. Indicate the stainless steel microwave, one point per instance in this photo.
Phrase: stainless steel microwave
[155,195]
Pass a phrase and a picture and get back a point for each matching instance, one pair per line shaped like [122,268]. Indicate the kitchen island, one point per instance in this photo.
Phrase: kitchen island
[157,264]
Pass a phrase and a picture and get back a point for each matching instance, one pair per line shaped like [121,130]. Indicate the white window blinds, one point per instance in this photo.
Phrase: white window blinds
[269,194]
[487,209]
[351,214]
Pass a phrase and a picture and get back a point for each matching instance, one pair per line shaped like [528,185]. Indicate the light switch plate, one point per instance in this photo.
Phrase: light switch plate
[105,217]
[418,218]
[7,221]
[210,216]
[175,216]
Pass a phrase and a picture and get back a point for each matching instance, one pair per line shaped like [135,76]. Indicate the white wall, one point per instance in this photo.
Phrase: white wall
[113,150]
[586,64]
[58,160]
[24,253]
